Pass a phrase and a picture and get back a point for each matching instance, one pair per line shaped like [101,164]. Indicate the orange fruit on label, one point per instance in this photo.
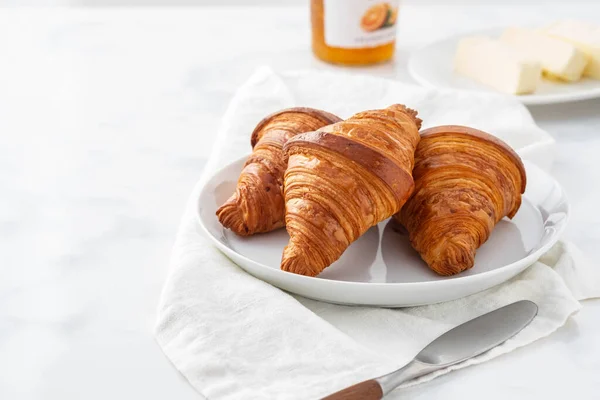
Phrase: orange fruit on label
[374,17]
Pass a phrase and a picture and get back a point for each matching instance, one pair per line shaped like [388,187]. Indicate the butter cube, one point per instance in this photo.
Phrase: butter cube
[559,59]
[583,35]
[496,64]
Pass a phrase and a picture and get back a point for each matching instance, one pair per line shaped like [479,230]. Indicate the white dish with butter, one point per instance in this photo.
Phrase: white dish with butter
[434,66]
[380,268]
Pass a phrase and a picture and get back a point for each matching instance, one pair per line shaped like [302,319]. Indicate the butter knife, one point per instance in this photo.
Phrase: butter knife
[465,341]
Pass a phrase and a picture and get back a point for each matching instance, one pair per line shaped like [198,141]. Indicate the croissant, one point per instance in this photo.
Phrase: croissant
[257,204]
[343,179]
[465,182]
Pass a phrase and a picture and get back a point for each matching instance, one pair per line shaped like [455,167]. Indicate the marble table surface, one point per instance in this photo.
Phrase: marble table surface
[107,117]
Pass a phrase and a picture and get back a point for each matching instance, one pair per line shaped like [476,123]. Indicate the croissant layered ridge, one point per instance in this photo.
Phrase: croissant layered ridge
[257,204]
[343,179]
[466,181]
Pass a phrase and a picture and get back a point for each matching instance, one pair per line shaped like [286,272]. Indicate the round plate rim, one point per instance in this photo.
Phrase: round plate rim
[527,261]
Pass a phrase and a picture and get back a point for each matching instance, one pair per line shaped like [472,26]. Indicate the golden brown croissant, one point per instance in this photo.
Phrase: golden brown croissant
[257,204]
[342,180]
[465,182]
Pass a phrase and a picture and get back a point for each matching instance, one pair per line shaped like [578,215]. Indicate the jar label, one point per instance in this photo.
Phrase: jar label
[355,24]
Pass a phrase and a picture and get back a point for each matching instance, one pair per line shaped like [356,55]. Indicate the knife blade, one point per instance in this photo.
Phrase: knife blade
[465,341]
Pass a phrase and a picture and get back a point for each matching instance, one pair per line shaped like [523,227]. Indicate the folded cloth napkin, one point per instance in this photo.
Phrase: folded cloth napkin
[236,337]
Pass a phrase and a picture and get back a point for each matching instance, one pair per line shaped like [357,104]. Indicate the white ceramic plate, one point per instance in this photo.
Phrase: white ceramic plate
[381,268]
[432,66]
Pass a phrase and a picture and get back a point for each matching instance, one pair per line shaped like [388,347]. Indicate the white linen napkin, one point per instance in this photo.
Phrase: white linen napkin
[236,337]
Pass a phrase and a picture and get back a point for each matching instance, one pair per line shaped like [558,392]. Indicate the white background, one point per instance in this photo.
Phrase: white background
[100,3]
[106,120]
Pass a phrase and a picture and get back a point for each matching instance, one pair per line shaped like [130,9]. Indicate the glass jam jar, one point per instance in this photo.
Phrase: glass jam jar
[354,32]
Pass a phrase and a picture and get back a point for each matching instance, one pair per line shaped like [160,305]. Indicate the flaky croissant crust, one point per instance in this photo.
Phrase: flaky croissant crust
[286,120]
[466,181]
[257,204]
[343,179]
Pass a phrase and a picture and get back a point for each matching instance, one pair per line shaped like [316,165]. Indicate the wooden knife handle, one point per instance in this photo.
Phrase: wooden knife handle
[367,390]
